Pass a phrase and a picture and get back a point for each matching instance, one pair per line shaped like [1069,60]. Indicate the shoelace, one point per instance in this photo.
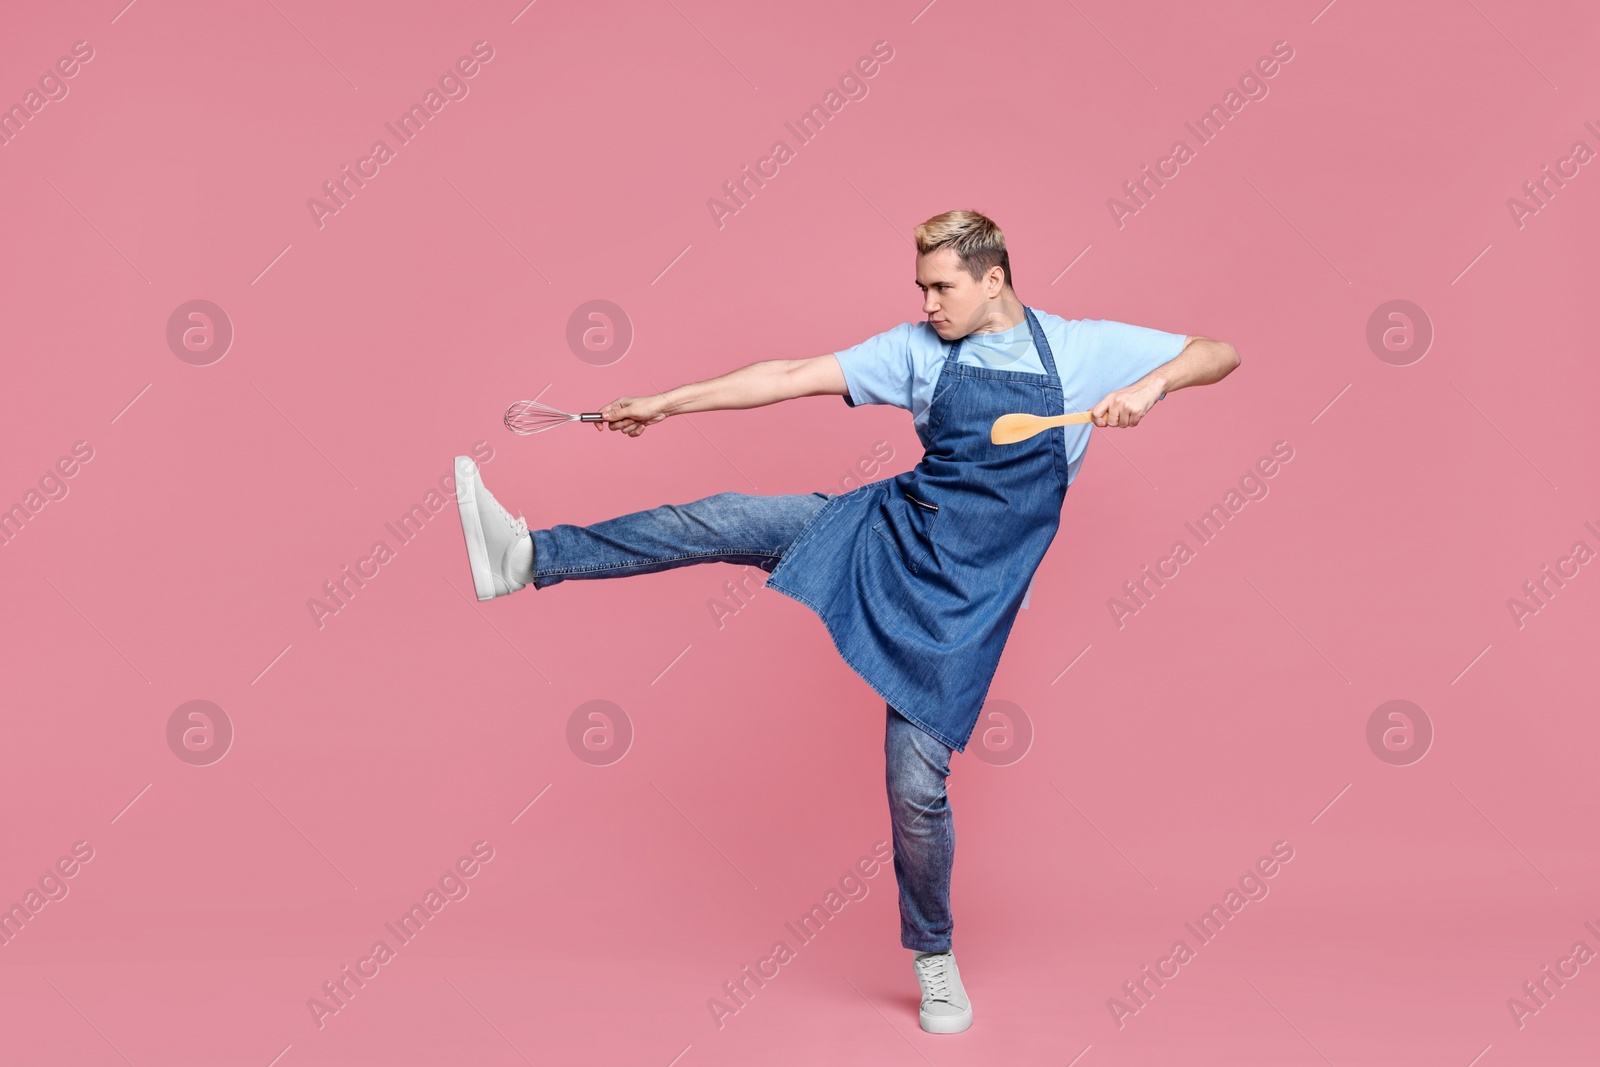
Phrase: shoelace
[519,524]
[935,979]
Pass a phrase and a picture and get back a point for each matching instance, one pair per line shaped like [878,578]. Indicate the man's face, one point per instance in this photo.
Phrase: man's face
[954,303]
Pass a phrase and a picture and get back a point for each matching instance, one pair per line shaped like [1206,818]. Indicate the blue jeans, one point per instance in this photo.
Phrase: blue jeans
[753,530]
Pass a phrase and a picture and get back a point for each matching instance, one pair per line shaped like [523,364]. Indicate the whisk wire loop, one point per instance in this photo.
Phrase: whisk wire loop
[530,416]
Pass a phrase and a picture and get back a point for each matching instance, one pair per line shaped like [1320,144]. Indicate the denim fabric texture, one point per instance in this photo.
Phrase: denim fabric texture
[919,577]
[916,765]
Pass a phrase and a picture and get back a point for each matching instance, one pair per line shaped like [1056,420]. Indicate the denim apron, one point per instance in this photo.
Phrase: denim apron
[919,577]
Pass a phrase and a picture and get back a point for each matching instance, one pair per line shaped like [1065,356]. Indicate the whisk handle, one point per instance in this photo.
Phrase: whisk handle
[592,416]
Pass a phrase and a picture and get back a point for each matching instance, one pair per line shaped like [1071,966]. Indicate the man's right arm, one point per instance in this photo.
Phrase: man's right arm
[759,384]
[820,376]
[752,386]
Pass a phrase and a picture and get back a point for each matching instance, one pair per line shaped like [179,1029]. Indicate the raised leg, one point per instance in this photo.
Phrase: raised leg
[740,528]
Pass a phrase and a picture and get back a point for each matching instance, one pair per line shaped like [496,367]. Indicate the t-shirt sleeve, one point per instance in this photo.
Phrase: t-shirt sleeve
[879,370]
[1120,354]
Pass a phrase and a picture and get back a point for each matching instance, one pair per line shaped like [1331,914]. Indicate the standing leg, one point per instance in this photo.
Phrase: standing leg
[917,765]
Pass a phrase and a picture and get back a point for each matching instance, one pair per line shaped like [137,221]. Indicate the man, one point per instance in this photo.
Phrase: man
[918,577]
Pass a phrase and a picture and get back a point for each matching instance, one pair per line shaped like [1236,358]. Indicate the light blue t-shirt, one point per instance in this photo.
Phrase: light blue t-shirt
[1094,357]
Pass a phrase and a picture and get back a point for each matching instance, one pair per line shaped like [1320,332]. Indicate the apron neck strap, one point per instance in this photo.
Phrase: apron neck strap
[1040,344]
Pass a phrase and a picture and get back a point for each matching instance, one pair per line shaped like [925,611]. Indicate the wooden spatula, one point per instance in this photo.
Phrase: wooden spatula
[1009,429]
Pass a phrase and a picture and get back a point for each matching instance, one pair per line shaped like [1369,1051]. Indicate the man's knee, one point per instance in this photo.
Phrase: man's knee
[915,788]
[915,805]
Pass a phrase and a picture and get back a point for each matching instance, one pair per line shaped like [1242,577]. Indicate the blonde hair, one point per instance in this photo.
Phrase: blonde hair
[975,238]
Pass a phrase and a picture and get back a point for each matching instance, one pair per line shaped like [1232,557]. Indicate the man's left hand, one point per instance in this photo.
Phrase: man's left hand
[1126,407]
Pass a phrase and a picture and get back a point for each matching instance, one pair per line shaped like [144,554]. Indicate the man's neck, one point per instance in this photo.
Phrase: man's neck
[1005,315]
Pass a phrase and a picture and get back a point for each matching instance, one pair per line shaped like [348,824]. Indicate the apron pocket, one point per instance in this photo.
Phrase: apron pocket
[906,523]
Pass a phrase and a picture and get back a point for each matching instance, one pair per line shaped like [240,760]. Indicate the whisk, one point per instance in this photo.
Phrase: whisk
[529,416]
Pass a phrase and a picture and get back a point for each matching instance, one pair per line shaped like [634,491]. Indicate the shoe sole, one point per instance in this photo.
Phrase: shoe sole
[946,1024]
[472,528]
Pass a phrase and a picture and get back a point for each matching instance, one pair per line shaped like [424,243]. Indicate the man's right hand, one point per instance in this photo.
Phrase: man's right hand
[631,414]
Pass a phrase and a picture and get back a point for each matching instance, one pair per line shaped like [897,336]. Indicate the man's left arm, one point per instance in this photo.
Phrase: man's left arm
[1202,361]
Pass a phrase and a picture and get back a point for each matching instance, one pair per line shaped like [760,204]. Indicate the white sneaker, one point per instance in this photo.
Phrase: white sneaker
[492,534]
[945,1007]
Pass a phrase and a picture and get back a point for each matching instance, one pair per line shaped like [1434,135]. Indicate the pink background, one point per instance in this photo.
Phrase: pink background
[370,753]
